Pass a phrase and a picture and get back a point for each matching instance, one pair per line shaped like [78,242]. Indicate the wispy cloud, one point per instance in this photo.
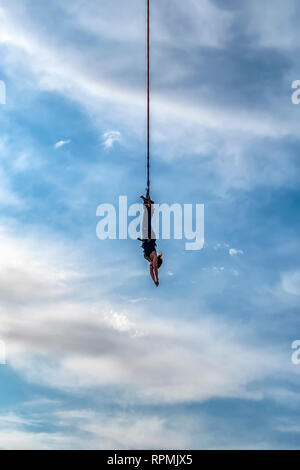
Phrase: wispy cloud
[291,282]
[109,346]
[234,252]
[61,143]
[87,429]
[72,324]
[184,123]
[110,138]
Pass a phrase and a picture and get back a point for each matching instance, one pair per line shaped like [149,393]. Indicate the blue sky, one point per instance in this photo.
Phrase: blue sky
[97,357]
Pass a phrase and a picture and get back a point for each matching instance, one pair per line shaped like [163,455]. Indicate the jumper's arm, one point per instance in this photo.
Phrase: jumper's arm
[152,274]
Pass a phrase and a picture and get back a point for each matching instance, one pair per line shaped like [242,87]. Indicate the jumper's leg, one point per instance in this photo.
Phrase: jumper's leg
[147,231]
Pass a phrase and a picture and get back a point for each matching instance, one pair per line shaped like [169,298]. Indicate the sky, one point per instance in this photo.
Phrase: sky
[96,356]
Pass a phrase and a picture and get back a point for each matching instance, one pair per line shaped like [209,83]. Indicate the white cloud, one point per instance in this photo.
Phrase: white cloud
[56,337]
[22,162]
[207,25]
[288,426]
[87,429]
[61,143]
[113,95]
[55,334]
[280,31]
[216,269]
[234,252]
[127,431]
[139,299]
[121,429]
[110,138]
[8,196]
[20,438]
[290,282]
[97,88]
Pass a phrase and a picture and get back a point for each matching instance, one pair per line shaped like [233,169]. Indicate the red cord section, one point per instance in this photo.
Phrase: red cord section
[148,97]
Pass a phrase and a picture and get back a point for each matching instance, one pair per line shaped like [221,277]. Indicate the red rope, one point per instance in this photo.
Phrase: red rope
[148,97]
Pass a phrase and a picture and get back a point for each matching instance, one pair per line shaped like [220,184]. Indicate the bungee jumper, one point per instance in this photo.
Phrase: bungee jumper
[149,237]
[149,240]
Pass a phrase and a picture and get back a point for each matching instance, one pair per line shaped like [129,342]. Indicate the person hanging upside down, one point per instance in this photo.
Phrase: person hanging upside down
[149,240]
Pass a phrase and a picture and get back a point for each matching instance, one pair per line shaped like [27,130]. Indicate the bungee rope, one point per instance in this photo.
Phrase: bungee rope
[148,99]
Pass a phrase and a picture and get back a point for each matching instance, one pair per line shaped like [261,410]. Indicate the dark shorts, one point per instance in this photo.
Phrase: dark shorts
[148,246]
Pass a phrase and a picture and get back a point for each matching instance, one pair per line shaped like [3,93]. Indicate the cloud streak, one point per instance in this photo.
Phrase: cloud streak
[110,138]
[61,143]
